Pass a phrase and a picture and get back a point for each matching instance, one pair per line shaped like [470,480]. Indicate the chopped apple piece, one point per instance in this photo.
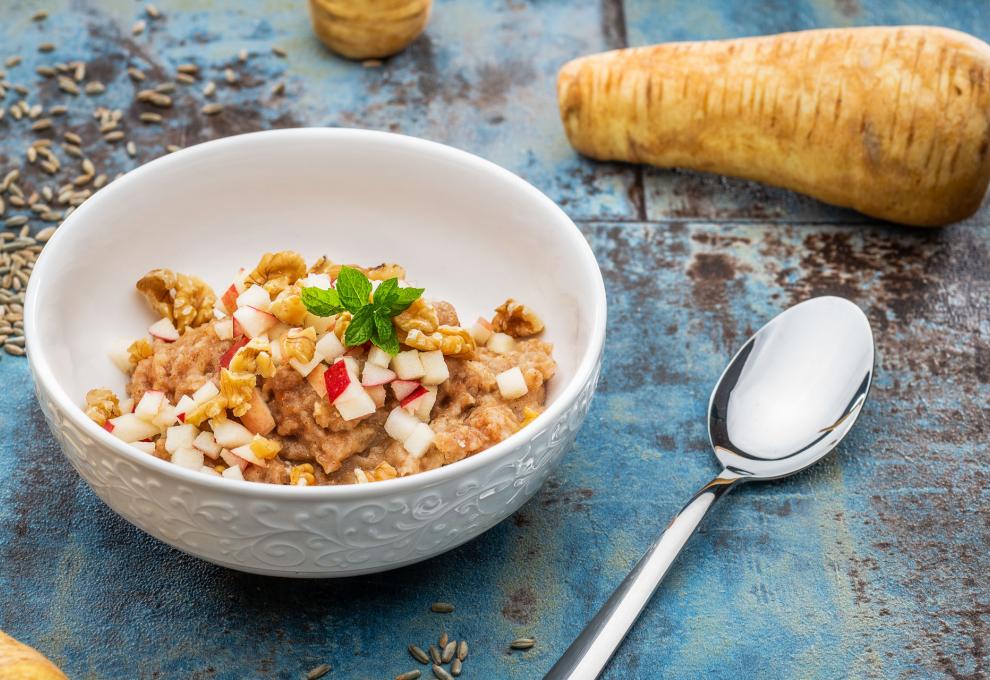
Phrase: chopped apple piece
[130,428]
[317,381]
[374,374]
[207,443]
[407,365]
[255,296]
[230,434]
[233,472]
[224,329]
[403,388]
[354,402]
[119,355]
[511,383]
[400,424]
[253,321]
[146,447]
[409,401]
[307,368]
[247,454]
[188,458]
[206,391]
[229,354]
[377,394]
[207,470]
[419,442]
[481,331]
[232,460]
[330,348]
[163,329]
[229,299]
[434,367]
[258,418]
[127,406]
[166,416]
[151,402]
[378,356]
[424,407]
[322,324]
[180,436]
[500,343]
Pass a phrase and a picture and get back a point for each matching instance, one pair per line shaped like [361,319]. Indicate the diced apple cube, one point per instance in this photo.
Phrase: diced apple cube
[164,329]
[233,460]
[130,428]
[377,394]
[206,391]
[322,324]
[400,424]
[180,436]
[188,457]
[354,402]
[207,470]
[224,329]
[166,416]
[127,405]
[419,442]
[307,368]
[258,418]
[481,331]
[424,406]
[317,380]
[407,365]
[247,454]
[330,348]
[511,383]
[321,281]
[254,322]
[434,367]
[255,296]
[207,443]
[119,355]
[403,388]
[378,356]
[230,434]
[412,399]
[233,472]
[374,374]
[151,402]
[146,447]
[500,343]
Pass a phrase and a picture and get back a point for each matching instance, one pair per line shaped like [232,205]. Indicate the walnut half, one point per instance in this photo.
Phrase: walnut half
[516,319]
[186,301]
[101,405]
[453,341]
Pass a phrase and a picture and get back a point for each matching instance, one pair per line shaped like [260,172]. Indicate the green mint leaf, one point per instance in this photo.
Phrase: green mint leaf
[404,297]
[386,292]
[353,288]
[361,328]
[321,302]
[384,335]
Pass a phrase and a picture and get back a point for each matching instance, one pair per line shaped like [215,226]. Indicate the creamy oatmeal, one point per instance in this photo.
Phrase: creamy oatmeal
[322,374]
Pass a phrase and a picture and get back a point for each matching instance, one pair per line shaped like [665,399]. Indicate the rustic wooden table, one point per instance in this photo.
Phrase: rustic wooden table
[873,564]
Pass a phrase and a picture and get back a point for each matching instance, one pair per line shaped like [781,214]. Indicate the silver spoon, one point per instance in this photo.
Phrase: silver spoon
[785,400]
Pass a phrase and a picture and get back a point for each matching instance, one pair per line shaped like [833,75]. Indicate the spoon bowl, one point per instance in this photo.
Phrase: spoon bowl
[786,399]
[793,391]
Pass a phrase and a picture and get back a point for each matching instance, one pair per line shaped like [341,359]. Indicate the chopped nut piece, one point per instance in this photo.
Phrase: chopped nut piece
[101,405]
[453,341]
[517,320]
[139,349]
[340,325]
[281,264]
[275,286]
[302,473]
[187,301]
[324,265]
[215,408]
[289,309]
[383,272]
[238,389]
[254,357]
[264,448]
[382,472]
[299,344]
[420,316]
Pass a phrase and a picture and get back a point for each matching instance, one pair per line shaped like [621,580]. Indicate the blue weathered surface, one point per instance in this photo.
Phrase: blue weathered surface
[873,564]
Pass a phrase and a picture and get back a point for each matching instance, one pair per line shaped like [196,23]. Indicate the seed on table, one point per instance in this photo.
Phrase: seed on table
[32,154]
[172,148]
[212,109]
[46,71]
[462,650]
[455,668]
[39,208]
[23,91]
[209,89]
[185,79]
[57,110]
[318,672]
[72,137]
[441,607]
[45,234]
[17,201]
[448,652]
[190,68]
[72,150]
[230,76]
[242,56]
[114,136]
[278,51]
[279,89]
[14,350]
[35,111]
[152,11]
[16,112]
[16,221]
[165,88]
[49,167]
[435,654]
[440,673]
[98,183]
[46,47]
[12,61]
[418,654]
[409,675]
[52,216]
[82,180]
[150,117]
[79,73]
[67,85]
[43,124]
[3,206]
[9,179]
[95,87]
[135,74]
[87,166]
[40,15]
[138,27]
[522,643]
[443,640]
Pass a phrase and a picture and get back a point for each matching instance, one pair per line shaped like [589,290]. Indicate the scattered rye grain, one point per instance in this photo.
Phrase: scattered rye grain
[114,136]
[209,89]
[150,117]
[79,71]
[185,79]
[230,76]
[243,55]
[152,11]
[67,85]
[95,87]
[455,667]
[131,148]
[14,349]
[212,109]
[418,654]
[49,167]
[87,166]
[16,221]
[440,673]
[522,643]
[35,111]
[441,608]
[58,110]
[72,137]
[46,71]
[172,148]
[138,27]
[98,183]
[189,68]
[443,640]
[136,74]
[41,125]
[409,675]
[165,88]
[82,180]
[448,651]
[318,672]
[279,52]
[435,654]
[45,234]
[32,154]
[13,61]
[279,89]
[21,90]
[40,15]
[46,47]
[73,150]
[462,650]
[17,201]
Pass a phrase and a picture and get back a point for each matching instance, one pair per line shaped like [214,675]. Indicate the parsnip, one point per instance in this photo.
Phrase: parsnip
[20,662]
[891,121]
[362,29]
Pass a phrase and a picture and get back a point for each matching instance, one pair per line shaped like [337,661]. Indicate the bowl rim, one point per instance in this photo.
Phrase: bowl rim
[586,366]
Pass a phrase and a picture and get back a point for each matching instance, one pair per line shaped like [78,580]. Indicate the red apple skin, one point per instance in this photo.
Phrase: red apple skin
[336,379]
[181,417]
[108,426]
[413,396]
[229,299]
[258,418]
[229,354]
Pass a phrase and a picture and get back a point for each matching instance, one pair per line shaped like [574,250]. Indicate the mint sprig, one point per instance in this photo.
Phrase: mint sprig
[371,315]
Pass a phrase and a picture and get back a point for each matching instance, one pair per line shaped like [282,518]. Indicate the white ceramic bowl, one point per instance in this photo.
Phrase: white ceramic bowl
[469,231]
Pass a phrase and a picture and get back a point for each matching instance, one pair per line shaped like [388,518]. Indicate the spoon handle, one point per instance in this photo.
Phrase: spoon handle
[590,652]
